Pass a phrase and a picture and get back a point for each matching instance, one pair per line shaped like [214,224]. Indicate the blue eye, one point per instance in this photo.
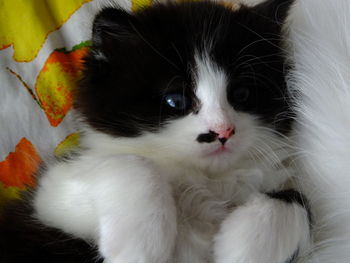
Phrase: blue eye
[177,101]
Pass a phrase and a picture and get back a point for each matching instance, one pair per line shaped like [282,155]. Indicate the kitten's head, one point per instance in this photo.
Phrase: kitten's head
[197,81]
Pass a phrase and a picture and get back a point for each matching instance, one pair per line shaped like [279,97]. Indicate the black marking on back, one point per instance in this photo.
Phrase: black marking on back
[24,239]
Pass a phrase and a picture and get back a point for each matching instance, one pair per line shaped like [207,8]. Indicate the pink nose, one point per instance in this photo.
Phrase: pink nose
[225,133]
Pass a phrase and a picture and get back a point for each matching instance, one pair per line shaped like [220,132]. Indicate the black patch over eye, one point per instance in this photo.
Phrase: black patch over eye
[177,101]
[240,94]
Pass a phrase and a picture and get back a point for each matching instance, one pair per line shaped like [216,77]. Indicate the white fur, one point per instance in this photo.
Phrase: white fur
[212,88]
[262,230]
[116,201]
[161,197]
[321,51]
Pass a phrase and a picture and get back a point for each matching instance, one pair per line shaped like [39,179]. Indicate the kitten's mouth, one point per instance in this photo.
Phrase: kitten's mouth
[219,151]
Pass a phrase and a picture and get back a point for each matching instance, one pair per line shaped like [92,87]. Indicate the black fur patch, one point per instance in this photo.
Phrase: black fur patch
[23,239]
[151,53]
[207,137]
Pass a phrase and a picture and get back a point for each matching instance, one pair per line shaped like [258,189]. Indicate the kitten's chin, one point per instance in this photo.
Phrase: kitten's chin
[218,160]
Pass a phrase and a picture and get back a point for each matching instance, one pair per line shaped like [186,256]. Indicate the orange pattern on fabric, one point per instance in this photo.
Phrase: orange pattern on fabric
[25,24]
[57,80]
[18,168]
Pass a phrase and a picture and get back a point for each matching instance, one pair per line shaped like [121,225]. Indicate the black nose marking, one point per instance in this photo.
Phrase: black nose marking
[207,137]
[222,140]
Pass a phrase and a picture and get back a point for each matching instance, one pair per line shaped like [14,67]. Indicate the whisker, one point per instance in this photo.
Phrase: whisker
[263,38]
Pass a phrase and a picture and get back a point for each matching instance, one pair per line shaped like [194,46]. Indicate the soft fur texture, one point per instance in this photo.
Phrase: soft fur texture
[186,117]
[25,239]
[320,42]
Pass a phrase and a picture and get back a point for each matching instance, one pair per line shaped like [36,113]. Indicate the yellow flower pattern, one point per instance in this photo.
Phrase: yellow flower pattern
[25,24]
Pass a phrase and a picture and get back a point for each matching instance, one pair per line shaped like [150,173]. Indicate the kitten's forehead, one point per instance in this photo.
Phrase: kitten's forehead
[210,80]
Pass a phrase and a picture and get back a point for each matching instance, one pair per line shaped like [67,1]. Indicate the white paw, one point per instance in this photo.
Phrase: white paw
[264,230]
[147,239]
[136,213]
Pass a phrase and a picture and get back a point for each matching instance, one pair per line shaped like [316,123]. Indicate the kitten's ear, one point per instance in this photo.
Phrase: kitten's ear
[112,26]
[276,10]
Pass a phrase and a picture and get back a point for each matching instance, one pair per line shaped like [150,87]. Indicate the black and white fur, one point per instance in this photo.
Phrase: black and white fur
[185,121]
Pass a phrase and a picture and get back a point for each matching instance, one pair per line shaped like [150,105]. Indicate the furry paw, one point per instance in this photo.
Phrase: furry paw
[137,215]
[140,244]
[269,228]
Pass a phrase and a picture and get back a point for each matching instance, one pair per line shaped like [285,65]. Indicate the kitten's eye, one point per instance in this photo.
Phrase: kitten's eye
[177,101]
[241,94]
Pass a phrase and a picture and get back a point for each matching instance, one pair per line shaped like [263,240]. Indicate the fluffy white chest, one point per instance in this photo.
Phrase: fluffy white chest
[203,200]
[202,203]
[106,198]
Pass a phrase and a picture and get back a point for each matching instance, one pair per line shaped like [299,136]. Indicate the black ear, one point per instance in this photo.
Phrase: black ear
[275,10]
[111,26]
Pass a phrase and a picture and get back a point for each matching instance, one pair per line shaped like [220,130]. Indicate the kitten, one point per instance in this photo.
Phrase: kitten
[185,121]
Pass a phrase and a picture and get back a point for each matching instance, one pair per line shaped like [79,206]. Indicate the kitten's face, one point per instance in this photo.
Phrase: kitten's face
[193,81]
